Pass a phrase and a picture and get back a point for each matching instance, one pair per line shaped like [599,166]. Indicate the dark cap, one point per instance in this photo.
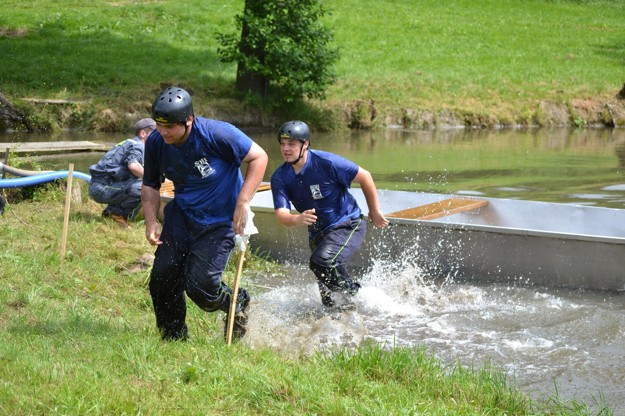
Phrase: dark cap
[173,105]
[294,130]
[144,123]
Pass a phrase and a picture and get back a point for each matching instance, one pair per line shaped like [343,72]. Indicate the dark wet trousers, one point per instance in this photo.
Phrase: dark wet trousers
[331,251]
[191,259]
[123,198]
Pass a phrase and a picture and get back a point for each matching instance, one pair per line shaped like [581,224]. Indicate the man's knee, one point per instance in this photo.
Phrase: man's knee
[209,301]
[335,278]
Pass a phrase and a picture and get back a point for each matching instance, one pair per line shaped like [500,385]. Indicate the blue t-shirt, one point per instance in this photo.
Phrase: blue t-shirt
[322,184]
[205,169]
[113,167]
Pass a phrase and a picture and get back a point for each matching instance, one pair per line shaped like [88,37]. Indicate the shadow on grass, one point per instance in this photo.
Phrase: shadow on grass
[54,60]
[74,326]
[614,51]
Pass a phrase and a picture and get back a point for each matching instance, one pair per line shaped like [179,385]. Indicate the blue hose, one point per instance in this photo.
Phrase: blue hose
[39,179]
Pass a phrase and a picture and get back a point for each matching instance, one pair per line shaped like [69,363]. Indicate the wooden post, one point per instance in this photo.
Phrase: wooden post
[68,200]
[6,159]
[235,295]
[77,194]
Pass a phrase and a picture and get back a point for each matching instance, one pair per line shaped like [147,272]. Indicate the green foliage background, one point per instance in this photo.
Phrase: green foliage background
[493,58]
[284,43]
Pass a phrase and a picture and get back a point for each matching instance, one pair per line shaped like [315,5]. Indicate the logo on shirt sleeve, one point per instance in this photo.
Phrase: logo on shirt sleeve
[204,168]
[316,192]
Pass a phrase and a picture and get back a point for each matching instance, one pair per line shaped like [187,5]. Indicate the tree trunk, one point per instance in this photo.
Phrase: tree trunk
[249,81]
[11,114]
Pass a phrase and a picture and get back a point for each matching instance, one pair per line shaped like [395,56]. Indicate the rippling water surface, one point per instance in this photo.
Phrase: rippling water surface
[543,338]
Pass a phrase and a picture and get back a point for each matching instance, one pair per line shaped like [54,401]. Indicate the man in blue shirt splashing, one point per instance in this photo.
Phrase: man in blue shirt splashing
[116,178]
[202,157]
[317,183]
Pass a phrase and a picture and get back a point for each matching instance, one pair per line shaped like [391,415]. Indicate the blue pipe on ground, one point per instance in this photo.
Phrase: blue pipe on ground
[39,179]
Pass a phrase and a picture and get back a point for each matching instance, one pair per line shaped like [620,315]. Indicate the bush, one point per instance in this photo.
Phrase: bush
[283,51]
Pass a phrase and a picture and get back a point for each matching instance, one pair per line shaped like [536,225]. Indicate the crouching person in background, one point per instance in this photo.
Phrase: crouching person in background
[116,179]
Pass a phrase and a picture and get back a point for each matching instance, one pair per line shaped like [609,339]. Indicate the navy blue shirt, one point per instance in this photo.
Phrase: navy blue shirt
[113,167]
[205,169]
[322,184]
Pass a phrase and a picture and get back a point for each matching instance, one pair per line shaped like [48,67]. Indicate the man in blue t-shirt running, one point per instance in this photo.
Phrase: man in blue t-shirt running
[202,157]
[317,183]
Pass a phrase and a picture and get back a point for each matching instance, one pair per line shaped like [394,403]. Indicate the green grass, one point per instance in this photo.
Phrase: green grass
[490,52]
[488,59]
[90,48]
[77,336]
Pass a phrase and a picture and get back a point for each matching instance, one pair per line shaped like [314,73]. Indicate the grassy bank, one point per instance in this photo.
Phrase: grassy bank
[77,336]
[415,64]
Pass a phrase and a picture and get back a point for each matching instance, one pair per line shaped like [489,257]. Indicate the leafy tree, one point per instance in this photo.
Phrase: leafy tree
[283,49]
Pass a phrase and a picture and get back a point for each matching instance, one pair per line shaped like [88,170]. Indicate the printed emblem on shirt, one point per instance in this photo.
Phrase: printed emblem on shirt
[316,192]
[204,168]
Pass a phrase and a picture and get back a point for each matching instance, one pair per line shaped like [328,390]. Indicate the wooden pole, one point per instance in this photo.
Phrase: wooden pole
[68,201]
[7,152]
[235,294]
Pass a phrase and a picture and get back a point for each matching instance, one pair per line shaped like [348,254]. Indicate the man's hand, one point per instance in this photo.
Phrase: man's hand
[285,217]
[378,219]
[153,233]
[240,218]
[308,217]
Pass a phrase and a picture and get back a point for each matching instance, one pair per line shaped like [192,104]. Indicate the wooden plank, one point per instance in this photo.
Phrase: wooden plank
[263,187]
[52,101]
[55,147]
[167,188]
[439,209]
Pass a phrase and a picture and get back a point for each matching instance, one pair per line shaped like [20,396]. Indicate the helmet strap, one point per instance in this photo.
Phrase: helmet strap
[301,154]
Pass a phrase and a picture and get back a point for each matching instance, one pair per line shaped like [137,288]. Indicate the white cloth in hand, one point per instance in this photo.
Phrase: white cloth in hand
[240,241]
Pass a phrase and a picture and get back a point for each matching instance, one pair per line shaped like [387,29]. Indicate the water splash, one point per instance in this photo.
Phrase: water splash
[539,336]
[292,319]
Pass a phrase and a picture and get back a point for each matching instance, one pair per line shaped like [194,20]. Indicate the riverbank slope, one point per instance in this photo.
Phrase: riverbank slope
[98,65]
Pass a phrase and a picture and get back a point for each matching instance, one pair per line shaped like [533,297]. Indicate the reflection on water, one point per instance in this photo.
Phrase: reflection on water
[560,165]
[542,337]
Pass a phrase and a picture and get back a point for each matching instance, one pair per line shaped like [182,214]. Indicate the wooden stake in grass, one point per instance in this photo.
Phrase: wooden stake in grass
[240,243]
[68,200]
[235,294]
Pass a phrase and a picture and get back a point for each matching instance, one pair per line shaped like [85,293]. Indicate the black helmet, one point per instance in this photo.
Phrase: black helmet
[173,105]
[295,130]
